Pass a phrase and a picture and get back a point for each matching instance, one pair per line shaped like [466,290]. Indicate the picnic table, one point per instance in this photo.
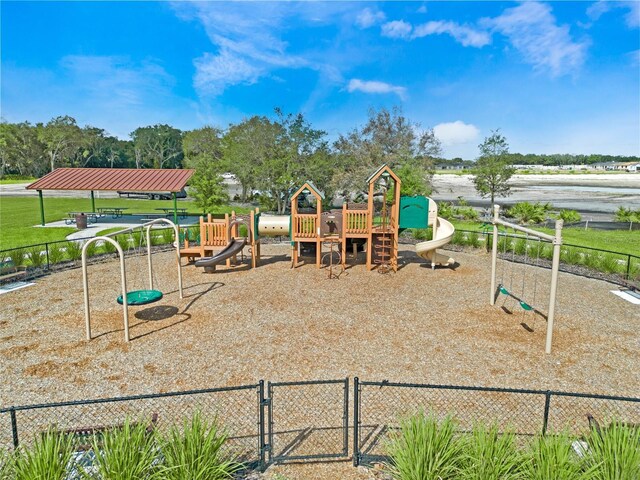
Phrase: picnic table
[91,217]
[115,212]
[168,211]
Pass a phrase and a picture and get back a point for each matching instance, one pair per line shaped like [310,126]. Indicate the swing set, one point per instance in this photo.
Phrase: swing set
[134,297]
[501,289]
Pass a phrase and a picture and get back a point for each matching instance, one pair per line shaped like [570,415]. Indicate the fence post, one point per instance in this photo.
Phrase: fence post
[345,418]
[547,403]
[261,427]
[270,420]
[356,421]
[628,275]
[14,427]
[46,248]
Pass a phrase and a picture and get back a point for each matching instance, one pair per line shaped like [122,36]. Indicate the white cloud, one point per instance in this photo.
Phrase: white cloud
[248,39]
[375,87]
[422,9]
[532,30]
[632,17]
[396,29]
[368,18]
[456,133]
[463,34]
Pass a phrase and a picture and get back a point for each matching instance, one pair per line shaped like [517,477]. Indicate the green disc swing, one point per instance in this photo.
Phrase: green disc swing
[145,296]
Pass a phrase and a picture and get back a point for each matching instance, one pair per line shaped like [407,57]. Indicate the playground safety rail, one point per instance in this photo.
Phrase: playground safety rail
[279,422]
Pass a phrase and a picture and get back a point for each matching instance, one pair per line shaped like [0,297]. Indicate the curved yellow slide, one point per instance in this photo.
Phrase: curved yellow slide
[443,231]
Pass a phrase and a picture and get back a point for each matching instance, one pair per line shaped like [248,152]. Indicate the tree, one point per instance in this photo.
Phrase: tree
[21,151]
[275,156]
[493,171]
[61,137]
[157,146]
[202,144]
[387,137]
[208,187]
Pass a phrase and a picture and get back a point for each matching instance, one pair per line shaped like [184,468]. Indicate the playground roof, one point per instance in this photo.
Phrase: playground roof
[126,179]
[308,184]
[384,167]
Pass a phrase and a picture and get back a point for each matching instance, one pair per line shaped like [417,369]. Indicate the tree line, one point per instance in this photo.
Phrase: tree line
[269,156]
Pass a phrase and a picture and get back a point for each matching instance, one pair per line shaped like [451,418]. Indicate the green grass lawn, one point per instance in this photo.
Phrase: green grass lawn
[19,216]
[621,241]
[11,181]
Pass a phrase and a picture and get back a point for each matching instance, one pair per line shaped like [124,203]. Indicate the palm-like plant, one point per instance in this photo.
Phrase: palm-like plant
[551,457]
[128,452]
[614,452]
[425,448]
[491,455]
[195,451]
[46,459]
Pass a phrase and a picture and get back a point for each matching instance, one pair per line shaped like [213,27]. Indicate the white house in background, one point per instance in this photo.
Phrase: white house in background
[633,167]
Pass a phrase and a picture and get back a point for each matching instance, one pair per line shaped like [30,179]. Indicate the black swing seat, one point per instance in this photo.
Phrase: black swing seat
[141,297]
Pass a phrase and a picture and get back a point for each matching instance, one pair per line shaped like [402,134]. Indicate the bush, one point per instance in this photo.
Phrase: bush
[46,459]
[125,453]
[73,251]
[591,260]
[195,451]
[546,251]
[56,253]
[609,264]
[36,257]
[92,249]
[167,235]
[473,240]
[525,212]
[570,255]
[569,216]
[553,457]
[467,213]
[425,448]
[422,233]
[446,210]
[458,238]
[521,246]
[108,247]
[123,241]
[615,451]
[18,257]
[491,455]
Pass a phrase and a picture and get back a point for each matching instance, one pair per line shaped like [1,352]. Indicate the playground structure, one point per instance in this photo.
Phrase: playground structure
[374,226]
[135,297]
[498,289]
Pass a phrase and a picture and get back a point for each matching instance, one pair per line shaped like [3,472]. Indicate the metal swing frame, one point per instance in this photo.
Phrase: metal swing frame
[123,272]
[556,240]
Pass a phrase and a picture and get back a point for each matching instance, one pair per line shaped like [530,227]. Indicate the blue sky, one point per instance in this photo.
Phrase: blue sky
[555,77]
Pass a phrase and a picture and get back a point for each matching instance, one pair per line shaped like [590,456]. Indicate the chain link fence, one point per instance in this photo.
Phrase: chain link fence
[309,420]
[380,406]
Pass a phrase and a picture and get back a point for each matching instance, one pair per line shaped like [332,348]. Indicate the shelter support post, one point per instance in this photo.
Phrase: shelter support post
[93,202]
[175,208]
[41,207]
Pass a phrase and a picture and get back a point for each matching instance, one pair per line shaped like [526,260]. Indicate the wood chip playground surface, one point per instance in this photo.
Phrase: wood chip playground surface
[237,326]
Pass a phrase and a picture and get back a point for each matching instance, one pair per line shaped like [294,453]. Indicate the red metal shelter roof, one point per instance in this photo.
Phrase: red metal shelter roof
[127,179]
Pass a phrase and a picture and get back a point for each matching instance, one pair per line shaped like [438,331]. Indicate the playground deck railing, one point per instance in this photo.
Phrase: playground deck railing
[305,225]
[279,422]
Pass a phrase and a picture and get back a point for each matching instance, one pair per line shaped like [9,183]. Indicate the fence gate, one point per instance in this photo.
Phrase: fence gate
[308,420]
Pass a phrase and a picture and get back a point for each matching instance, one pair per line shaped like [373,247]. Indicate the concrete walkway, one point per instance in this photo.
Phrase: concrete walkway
[108,223]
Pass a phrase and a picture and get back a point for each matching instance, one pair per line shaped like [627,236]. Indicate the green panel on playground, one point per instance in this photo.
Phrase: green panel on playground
[414,212]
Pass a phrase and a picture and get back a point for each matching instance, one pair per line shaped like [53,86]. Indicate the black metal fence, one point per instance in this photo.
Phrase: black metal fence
[309,420]
[380,406]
